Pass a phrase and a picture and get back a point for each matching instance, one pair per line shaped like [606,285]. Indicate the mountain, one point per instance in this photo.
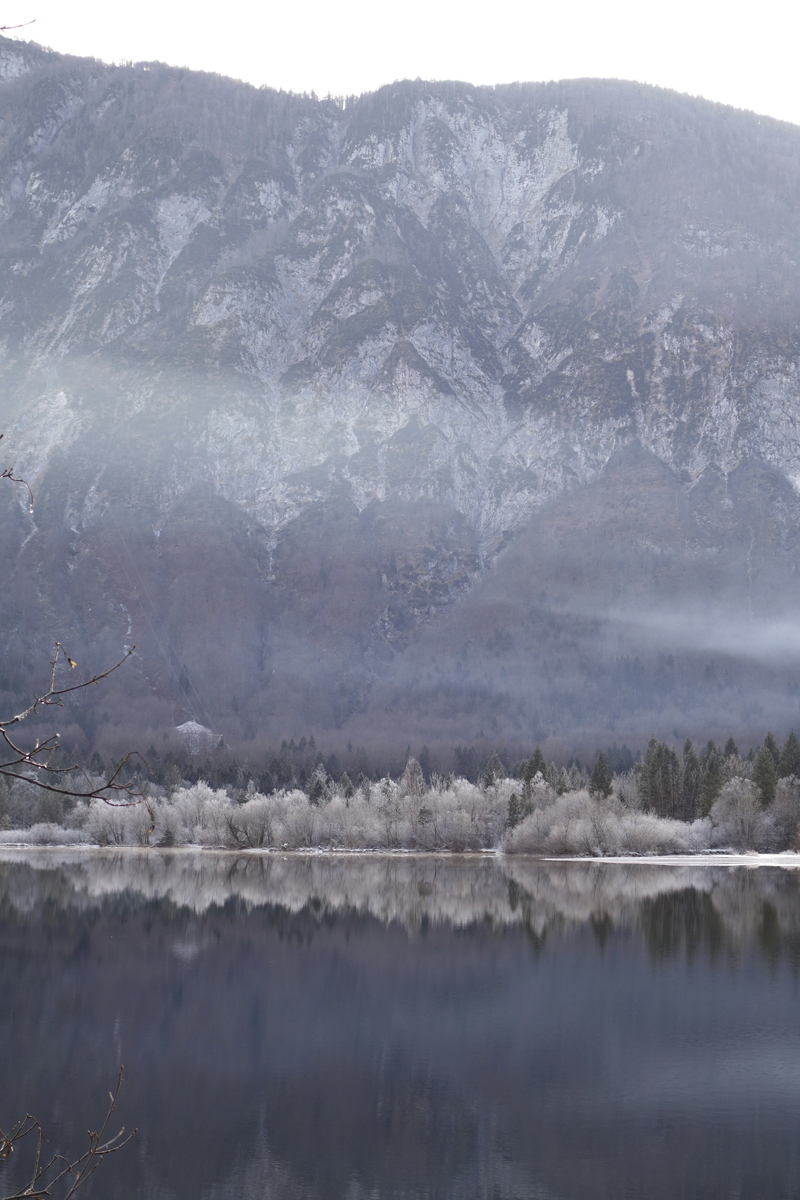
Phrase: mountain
[440,414]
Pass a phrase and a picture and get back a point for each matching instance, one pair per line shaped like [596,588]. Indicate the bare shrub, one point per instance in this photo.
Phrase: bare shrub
[577,824]
[252,825]
[107,826]
[452,814]
[140,824]
[43,835]
[299,826]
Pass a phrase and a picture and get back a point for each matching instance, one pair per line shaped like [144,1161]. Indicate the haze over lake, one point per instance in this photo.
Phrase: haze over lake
[407,1026]
[404,490]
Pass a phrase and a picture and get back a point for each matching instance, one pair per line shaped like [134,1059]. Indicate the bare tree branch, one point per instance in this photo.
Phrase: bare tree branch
[36,765]
[58,1172]
[8,472]
[6,28]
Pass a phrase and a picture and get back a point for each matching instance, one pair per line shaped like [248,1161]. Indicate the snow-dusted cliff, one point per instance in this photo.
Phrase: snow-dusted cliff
[403,326]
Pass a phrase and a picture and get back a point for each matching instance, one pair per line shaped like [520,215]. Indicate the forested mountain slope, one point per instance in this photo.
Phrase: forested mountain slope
[444,412]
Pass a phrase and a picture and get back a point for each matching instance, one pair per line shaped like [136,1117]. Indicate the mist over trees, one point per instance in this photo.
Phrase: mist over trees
[450,416]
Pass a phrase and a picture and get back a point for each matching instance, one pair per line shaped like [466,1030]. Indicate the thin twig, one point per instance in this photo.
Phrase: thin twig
[73,1172]
[36,765]
[8,472]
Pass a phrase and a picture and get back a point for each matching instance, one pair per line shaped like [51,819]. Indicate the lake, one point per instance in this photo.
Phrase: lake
[366,1026]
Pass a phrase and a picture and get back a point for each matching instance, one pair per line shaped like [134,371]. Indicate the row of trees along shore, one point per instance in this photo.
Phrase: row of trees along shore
[680,784]
[665,801]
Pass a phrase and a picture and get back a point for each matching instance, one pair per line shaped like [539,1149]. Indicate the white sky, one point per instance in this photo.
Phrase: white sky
[732,52]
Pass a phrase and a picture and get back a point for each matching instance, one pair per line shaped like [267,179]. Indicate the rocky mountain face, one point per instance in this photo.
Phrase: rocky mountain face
[439,414]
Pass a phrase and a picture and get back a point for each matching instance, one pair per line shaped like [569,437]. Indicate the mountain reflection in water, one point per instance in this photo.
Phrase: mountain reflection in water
[415,1027]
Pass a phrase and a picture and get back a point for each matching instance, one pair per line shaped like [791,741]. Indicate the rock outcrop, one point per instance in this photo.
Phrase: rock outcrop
[435,410]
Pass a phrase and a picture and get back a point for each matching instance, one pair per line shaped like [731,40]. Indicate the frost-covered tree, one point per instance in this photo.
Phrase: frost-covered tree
[317,786]
[413,782]
[738,817]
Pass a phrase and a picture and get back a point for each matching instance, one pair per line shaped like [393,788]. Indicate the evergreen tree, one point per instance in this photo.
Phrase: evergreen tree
[691,782]
[712,778]
[96,764]
[494,770]
[600,779]
[731,749]
[316,790]
[346,785]
[765,774]
[660,780]
[515,811]
[671,774]
[648,776]
[332,766]
[790,757]
[535,765]
[619,759]
[772,746]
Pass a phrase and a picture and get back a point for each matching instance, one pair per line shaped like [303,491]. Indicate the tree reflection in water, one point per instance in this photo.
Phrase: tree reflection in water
[334,1027]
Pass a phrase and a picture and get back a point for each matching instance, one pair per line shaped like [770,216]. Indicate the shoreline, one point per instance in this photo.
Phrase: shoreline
[785,859]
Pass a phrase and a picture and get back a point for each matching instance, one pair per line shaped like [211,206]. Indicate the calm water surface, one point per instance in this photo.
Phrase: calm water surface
[407,1027]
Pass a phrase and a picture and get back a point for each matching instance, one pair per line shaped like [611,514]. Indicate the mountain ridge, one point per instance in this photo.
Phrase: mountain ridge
[351,355]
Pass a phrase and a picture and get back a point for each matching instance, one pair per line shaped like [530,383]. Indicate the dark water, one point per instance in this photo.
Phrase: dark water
[408,1028]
